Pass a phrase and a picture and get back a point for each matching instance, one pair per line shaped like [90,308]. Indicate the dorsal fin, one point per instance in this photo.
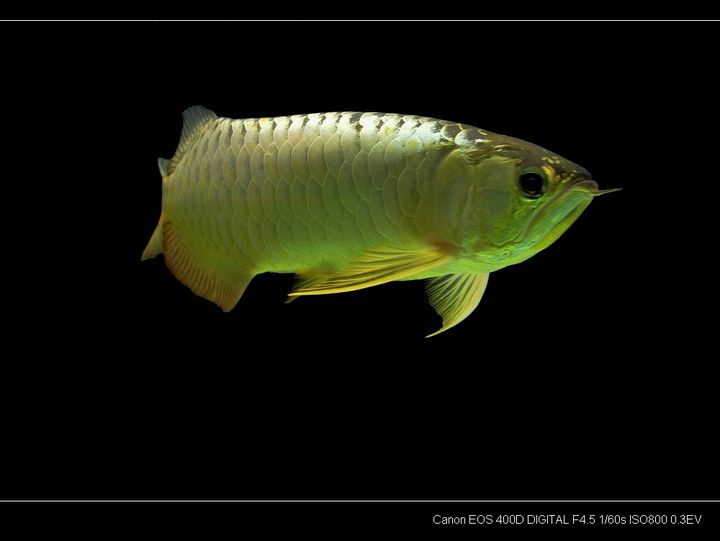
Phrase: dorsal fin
[195,120]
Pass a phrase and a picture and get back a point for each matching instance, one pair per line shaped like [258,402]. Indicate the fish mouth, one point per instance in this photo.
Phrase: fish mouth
[570,203]
[567,206]
[581,187]
[585,185]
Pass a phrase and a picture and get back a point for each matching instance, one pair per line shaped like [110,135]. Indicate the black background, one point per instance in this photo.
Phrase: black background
[586,372]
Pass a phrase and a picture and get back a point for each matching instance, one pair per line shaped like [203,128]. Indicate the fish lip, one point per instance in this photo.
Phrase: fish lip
[586,185]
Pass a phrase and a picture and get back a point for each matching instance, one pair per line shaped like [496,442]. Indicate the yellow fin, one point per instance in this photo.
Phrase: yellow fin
[455,296]
[220,286]
[155,244]
[373,268]
[303,280]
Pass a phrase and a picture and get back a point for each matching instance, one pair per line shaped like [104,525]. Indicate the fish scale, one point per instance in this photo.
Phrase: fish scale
[349,200]
[330,157]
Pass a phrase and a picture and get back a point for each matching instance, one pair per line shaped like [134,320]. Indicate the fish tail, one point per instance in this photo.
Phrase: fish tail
[155,245]
[220,283]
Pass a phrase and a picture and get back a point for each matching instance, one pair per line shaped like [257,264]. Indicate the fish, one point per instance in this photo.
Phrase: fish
[350,200]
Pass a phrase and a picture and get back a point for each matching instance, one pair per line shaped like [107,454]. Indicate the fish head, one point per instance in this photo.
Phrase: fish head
[523,199]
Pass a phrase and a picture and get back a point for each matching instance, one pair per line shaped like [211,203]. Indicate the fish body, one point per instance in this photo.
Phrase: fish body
[351,200]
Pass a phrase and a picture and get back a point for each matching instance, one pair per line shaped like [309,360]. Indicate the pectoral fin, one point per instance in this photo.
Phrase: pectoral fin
[373,268]
[455,296]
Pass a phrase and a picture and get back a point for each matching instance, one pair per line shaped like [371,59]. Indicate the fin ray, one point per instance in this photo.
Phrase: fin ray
[455,296]
[164,166]
[220,286]
[373,268]
[155,244]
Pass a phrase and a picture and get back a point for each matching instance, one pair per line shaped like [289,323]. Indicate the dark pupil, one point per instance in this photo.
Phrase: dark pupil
[531,184]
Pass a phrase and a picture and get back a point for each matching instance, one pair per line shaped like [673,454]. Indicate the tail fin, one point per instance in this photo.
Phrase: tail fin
[155,246]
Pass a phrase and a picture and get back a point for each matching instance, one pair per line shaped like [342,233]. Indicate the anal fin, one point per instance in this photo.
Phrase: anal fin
[222,286]
[305,280]
[455,296]
[373,268]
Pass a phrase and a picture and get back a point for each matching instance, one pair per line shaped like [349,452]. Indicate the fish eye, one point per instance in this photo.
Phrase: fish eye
[532,184]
